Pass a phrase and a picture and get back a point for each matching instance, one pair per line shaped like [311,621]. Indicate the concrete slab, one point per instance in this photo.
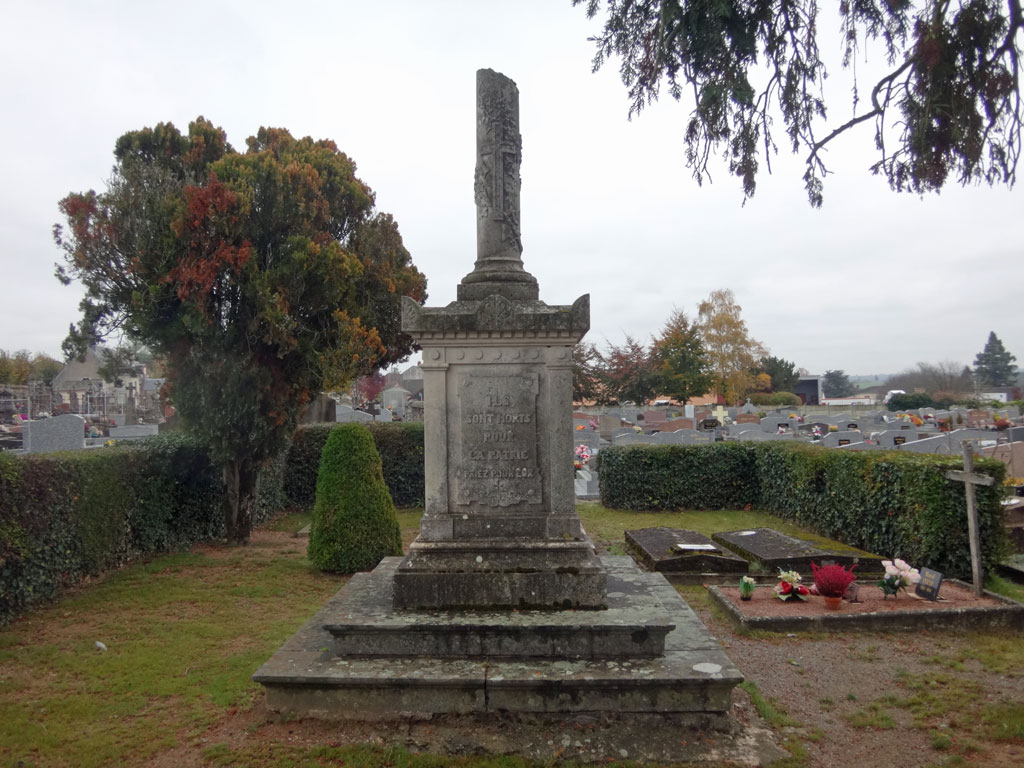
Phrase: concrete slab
[775,550]
[678,551]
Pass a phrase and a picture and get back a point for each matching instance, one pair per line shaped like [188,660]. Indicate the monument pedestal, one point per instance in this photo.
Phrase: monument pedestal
[360,658]
[500,528]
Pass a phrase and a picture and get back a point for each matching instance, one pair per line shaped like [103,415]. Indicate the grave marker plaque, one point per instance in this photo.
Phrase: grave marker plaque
[928,587]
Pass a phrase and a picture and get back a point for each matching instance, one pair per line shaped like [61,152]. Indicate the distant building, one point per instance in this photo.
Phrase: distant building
[810,390]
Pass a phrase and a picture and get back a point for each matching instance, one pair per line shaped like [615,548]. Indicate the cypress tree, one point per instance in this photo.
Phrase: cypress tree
[993,366]
[354,524]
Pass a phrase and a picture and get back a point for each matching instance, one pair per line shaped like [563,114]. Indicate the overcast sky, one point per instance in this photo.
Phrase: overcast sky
[872,283]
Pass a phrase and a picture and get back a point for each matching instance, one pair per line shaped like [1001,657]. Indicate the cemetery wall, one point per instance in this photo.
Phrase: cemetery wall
[64,516]
[897,504]
[401,450]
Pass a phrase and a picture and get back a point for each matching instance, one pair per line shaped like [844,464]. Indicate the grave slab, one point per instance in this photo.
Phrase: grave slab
[679,551]
[775,550]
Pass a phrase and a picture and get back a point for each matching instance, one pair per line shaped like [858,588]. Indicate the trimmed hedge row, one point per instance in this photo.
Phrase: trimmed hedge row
[67,515]
[400,446]
[714,476]
[888,502]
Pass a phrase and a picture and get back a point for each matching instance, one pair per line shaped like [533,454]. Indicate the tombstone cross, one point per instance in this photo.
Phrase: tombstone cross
[720,414]
[970,478]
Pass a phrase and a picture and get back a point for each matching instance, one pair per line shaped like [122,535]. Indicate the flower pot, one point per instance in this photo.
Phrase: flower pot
[833,603]
[745,597]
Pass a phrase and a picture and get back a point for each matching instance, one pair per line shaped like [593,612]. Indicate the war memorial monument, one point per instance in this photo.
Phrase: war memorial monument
[501,605]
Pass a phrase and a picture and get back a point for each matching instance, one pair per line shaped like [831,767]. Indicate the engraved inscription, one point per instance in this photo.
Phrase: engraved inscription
[496,453]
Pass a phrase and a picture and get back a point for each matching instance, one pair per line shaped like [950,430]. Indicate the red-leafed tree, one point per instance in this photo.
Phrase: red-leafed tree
[261,276]
[628,372]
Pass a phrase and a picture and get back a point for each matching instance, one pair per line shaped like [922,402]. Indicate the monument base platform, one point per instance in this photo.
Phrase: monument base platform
[692,677]
[545,575]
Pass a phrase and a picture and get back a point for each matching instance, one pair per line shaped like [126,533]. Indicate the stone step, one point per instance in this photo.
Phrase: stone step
[633,625]
[694,677]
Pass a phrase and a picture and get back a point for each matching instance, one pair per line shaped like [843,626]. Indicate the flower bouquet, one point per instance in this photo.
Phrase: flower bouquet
[898,575]
[789,586]
[746,587]
[582,456]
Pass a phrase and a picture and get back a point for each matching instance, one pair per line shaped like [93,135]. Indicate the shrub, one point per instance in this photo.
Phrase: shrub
[887,502]
[354,524]
[911,402]
[400,446]
[775,398]
[67,515]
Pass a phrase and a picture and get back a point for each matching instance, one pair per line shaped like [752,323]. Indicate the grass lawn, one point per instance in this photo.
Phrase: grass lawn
[183,634]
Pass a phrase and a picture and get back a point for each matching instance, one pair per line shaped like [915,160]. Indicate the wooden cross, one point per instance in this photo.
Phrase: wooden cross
[970,478]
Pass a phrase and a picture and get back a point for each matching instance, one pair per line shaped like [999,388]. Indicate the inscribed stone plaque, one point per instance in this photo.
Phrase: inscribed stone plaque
[928,586]
[496,455]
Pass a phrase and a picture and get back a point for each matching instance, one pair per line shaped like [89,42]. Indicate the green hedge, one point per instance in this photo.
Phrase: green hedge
[67,515]
[775,398]
[644,477]
[400,446]
[888,502]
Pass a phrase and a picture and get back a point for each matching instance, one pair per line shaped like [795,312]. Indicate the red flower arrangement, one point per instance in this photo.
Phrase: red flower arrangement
[789,586]
[832,580]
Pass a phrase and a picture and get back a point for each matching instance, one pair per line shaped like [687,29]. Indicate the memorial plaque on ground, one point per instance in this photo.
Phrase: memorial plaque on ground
[672,550]
[928,587]
[775,550]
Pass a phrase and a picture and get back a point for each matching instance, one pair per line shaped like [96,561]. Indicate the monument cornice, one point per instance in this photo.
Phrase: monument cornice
[506,318]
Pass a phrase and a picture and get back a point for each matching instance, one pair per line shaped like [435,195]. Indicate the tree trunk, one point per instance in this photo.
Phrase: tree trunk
[241,477]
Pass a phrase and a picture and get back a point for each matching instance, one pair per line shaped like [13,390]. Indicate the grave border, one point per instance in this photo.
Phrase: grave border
[1009,614]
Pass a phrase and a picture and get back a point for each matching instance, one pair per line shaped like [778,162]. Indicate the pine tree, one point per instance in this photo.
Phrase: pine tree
[993,366]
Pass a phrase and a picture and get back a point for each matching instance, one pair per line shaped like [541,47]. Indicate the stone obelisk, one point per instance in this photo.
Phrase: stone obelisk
[500,528]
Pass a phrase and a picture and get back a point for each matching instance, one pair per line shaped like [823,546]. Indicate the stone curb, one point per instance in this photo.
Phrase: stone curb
[1009,614]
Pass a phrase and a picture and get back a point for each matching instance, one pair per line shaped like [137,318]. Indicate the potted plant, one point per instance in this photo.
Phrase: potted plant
[746,587]
[831,582]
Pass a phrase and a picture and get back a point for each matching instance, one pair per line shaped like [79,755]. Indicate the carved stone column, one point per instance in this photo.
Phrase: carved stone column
[499,265]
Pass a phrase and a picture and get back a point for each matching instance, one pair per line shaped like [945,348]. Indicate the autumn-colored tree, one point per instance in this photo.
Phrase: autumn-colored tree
[732,353]
[587,374]
[679,360]
[369,387]
[949,106]
[16,367]
[261,277]
[627,372]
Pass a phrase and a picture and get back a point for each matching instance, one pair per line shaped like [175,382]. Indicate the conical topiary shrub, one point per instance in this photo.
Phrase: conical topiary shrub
[354,523]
